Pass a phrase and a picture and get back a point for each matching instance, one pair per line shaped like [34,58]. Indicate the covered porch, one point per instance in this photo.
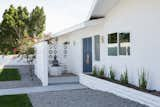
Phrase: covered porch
[51,65]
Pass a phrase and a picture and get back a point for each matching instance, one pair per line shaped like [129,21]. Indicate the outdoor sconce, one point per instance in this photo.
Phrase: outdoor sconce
[56,39]
[66,43]
[51,41]
[102,39]
[74,43]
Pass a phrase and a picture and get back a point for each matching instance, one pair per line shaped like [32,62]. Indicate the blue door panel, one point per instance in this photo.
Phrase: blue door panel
[87,55]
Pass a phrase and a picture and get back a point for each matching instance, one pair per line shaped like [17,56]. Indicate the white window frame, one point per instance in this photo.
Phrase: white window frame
[112,45]
[128,45]
[118,45]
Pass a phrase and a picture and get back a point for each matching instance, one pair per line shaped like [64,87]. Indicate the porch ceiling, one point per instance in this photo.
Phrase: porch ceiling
[101,8]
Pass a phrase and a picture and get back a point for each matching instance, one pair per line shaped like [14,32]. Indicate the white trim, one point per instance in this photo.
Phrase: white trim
[94,3]
[122,91]
[79,26]
[41,62]
[71,29]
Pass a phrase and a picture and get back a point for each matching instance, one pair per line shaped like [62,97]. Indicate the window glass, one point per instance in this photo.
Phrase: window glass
[112,38]
[124,37]
[128,50]
[97,47]
[112,51]
[122,50]
[124,44]
[112,44]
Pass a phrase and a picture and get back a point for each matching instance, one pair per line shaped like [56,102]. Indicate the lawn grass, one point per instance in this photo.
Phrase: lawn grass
[15,101]
[9,75]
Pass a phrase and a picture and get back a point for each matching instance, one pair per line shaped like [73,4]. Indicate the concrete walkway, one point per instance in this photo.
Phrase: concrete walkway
[29,90]
[26,79]
[61,95]
[80,98]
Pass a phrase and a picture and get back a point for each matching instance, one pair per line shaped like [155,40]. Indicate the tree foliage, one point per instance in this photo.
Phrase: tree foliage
[17,23]
[13,27]
[37,22]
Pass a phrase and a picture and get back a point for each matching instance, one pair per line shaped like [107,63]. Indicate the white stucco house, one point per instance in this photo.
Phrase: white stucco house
[118,33]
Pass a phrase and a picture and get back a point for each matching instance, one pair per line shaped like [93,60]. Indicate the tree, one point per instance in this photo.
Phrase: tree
[18,23]
[37,22]
[26,51]
[13,27]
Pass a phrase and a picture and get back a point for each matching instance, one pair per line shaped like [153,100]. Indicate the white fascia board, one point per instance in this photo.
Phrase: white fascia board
[94,3]
[80,26]
[102,7]
[71,29]
[94,22]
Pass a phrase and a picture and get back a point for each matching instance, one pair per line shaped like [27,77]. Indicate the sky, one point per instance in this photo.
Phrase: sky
[60,14]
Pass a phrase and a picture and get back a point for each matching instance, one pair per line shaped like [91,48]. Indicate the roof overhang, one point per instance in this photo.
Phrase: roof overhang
[97,13]
[80,26]
[101,7]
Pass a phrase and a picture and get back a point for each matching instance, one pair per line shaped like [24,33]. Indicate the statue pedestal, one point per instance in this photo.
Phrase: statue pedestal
[55,71]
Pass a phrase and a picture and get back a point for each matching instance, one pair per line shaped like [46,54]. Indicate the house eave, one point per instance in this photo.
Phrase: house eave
[80,26]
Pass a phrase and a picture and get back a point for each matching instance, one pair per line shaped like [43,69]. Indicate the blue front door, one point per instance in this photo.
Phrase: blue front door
[87,55]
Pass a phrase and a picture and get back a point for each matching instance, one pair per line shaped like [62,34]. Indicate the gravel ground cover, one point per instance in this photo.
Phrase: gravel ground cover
[80,98]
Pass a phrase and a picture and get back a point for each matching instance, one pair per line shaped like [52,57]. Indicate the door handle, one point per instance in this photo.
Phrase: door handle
[87,58]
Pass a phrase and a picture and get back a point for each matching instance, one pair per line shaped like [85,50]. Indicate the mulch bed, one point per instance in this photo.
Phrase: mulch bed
[153,92]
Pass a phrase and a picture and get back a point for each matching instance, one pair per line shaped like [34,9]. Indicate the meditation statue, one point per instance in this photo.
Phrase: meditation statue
[55,61]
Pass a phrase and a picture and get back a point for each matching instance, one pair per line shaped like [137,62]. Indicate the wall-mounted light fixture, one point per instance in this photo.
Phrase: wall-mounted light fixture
[66,43]
[74,43]
[102,39]
[56,39]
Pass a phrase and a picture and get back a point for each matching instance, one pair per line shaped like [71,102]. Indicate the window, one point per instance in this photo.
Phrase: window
[119,44]
[112,44]
[112,38]
[124,44]
[97,47]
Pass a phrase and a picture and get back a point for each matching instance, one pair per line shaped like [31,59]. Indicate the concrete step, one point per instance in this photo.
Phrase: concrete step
[15,91]
[63,80]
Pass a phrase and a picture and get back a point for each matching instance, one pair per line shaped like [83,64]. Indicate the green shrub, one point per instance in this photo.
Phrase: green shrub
[124,77]
[94,72]
[143,80]
[112,74]
[101,72]
[9,53]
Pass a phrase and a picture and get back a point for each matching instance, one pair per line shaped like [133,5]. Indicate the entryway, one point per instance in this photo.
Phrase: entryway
[87,55]
[65,78]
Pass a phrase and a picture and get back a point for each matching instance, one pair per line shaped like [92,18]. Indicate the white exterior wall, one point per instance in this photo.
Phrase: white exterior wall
[41,62]
[8,60]
[139,17]
[142,19]
[75,52]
